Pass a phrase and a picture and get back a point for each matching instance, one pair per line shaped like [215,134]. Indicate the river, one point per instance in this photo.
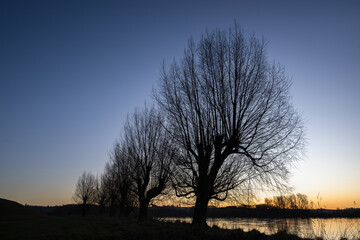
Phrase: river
[327,228]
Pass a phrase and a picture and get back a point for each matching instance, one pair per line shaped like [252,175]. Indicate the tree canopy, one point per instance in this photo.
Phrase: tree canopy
[229,111]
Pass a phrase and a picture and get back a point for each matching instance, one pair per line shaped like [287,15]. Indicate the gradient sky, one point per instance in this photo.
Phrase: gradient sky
[70,71]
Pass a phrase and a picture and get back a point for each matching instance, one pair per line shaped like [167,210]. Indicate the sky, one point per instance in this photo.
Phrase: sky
[71,71]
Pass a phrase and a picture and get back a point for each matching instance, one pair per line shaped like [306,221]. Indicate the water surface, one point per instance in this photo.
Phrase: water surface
[327,228]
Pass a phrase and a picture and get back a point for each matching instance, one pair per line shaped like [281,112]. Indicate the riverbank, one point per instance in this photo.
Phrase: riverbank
[258,212]
[71,227]
[21,222]
[214,212]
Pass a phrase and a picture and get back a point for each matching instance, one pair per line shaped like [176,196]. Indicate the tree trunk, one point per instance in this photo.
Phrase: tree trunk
[200,211]
[112,210]
[83,209]
[143,210]
[101,208]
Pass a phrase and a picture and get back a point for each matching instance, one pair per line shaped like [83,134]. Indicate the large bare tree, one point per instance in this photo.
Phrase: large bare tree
[230,114]
[150,152]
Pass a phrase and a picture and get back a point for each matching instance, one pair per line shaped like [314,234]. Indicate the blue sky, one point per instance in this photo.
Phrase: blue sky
[70,72]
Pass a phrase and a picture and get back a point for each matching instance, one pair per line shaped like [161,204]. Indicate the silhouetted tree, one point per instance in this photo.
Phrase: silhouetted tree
[280,202]
[119,180]
[292,201]
[101,193]
[85,191]
[227,108]
[110,188]
[150,151]
[269,202]
[303,201]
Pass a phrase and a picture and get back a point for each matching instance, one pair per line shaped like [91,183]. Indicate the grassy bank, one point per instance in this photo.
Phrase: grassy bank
[72,227]
[20,222]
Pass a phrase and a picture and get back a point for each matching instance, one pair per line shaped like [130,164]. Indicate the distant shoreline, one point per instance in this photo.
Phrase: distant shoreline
[213,212]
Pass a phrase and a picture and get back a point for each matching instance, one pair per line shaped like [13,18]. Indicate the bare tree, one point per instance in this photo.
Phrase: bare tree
[292,201]
[229,113]
[280,202]
[269,203]
[303,201]
[150,152]
[101,192]
[110,188]
[85,190]
[119,180]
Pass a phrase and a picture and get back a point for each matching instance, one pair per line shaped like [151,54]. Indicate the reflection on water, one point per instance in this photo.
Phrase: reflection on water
[331,228]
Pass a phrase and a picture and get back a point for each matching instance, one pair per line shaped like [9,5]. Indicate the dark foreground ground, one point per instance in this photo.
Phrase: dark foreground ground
[72,227]
[20,222]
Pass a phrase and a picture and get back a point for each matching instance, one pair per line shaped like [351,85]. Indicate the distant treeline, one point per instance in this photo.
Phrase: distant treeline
[292,201]
[258,212]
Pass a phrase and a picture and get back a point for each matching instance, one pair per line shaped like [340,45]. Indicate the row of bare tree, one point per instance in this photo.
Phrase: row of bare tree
[223,123]
[139,169]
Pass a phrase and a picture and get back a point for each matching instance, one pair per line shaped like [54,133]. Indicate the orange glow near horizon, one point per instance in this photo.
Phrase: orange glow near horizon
[338,203]
[57,197]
